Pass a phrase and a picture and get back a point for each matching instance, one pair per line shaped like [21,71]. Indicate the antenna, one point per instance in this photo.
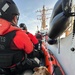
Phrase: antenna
[43,17]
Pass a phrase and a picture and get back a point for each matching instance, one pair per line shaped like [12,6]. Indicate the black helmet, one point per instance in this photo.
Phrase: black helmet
[23,26]
[8,9]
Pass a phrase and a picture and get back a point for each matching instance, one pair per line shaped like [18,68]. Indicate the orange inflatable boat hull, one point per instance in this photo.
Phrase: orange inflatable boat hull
[52,63]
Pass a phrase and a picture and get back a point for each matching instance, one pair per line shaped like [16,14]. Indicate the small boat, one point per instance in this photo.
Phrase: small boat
[60,18]
[48,60]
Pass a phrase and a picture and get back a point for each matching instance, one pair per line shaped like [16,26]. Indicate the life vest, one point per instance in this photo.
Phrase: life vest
[8,56]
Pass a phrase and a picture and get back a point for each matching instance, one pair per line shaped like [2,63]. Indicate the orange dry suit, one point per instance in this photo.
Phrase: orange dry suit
[33,39]
[14,43]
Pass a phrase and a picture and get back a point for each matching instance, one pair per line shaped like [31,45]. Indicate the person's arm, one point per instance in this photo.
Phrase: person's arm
[23,42]
[33,38]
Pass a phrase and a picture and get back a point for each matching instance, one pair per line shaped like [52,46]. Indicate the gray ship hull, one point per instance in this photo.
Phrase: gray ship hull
[65,56]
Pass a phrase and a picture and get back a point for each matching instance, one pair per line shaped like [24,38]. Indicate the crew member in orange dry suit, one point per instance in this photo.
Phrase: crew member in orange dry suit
[14,43]
[31,36]
[39,37]
[36,53]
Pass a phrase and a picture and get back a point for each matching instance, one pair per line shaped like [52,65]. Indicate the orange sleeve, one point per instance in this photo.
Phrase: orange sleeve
[33,38]
[23,42]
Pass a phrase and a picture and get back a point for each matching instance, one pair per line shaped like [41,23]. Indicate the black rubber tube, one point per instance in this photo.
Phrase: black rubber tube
[59,23]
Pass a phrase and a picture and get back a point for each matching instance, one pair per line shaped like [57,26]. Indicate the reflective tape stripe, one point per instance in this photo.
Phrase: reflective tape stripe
[5,7]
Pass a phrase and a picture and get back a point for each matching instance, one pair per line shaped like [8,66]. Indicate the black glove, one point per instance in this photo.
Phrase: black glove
[30,64]
[36,46]
[35,53]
